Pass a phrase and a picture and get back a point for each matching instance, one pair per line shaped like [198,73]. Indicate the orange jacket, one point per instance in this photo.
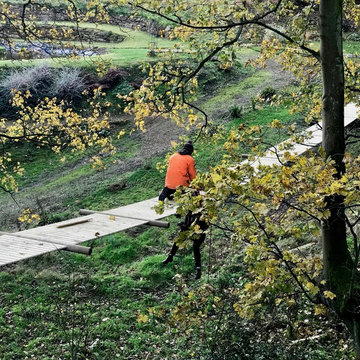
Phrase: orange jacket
[181,171]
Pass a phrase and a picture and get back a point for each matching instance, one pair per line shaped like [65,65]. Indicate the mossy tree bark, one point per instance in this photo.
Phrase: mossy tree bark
[338,263]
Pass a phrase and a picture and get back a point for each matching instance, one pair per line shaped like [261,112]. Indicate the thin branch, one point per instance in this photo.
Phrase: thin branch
[302,210]
[255,21]
[280,254]
[213,53]
[314,53]
[224,27]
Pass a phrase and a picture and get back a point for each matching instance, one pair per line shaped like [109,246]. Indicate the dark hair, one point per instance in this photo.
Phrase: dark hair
[188,149]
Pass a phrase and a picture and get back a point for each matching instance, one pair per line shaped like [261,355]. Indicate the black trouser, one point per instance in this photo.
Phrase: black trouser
[184,226]
[167,194]
[196,247]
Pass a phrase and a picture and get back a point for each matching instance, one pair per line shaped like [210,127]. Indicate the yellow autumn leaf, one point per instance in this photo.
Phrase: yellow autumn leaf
[329,295]
[312,288]
[320,309]
[142,318]
[151,310]
[291,302]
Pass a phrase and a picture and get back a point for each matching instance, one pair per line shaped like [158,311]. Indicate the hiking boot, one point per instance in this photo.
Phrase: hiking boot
[198,273]
[169,259]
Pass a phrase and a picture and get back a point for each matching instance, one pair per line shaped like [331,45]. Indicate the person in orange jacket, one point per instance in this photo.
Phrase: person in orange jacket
[181,171]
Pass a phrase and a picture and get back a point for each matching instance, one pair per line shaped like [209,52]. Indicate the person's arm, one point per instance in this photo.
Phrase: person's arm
[191,170]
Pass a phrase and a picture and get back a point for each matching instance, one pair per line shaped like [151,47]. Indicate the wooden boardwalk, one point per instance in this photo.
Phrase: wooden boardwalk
[29,243]
[37,241]
[271,156]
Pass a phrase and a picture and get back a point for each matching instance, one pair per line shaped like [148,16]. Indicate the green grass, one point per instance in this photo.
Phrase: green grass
[132,50]
[68,306]
[228,93]
[140,185]
[106,291]
[267,114]
[40,162]
[210,154]
[351,47]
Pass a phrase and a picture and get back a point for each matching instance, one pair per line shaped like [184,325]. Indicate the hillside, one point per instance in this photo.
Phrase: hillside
[122,303]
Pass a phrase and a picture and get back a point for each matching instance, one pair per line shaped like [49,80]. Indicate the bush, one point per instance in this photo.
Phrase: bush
[68,84]
[2,53]
[112,78]
[236,112]
[64,84]
[36,79]
[268,93]
[348,25]
[124,88]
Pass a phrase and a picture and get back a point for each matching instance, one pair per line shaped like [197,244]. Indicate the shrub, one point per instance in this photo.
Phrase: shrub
[268,93]
[112,78]
[2,53]
[36,79]
[124,88]
[68,84]
[348,25]
[236,112]
[353,37]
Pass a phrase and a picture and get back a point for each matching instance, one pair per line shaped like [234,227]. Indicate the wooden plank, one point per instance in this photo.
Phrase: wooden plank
[21,249]
[72,248]
[99,224]
[18,244]
[143,209]
[73,223]
[83,232]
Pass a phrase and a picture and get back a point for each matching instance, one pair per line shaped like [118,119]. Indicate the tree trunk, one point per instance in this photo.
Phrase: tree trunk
[338,264]
[333,79]
[336,256]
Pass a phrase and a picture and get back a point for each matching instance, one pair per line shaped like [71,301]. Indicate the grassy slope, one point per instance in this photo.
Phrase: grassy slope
[133,50]
[68,306]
